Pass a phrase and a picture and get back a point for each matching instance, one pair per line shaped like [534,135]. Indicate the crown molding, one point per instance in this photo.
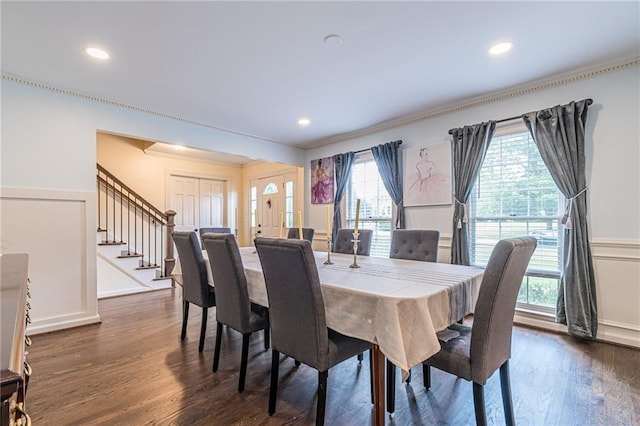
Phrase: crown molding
[70,92]
[516,91]
[512,92]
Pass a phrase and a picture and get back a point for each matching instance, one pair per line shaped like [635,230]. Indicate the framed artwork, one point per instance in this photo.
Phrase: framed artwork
[427,175]
[322,181]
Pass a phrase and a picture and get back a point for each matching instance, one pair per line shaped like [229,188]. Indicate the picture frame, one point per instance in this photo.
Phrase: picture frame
[322,181]
[427,175]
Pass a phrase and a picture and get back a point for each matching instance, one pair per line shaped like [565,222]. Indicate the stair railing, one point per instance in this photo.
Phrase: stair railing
[128,219]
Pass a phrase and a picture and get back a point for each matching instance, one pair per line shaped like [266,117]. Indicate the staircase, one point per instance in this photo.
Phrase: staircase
[135,248]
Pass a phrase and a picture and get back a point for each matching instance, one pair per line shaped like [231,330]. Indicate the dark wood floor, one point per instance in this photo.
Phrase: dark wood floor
[133,369]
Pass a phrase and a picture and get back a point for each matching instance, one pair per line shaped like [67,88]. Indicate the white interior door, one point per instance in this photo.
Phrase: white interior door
[211,203]
[270,205]
[197,202]
[184,194]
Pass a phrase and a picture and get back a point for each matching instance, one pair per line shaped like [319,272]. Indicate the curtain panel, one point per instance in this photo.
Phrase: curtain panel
[342,169]
[470,145]
[387,159]
[560,136]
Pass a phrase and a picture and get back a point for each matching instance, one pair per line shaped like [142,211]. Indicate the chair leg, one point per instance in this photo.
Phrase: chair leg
[203,329]
[243,361]
[426,376]
[266,339]
[391,387]
[297,363]
[185,316]
[360,357]
[505,385]
[273,390]
[216,351]
[478,403]
[322,397]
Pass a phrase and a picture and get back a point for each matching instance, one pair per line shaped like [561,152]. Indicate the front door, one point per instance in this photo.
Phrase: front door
[271,206]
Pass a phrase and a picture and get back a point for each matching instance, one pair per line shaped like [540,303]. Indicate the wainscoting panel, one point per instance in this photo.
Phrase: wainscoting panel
[56,229]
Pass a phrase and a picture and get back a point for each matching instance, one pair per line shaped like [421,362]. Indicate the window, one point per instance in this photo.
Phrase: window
[288,216]
[375,204]
[514,196]
[254,205]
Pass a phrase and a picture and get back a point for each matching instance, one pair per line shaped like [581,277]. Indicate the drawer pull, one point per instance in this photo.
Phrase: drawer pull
[27,419]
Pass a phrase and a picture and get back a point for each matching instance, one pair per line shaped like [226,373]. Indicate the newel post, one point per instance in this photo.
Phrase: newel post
[170,261]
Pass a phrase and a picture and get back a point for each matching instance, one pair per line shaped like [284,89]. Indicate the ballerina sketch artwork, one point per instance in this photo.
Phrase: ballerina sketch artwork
[427,175]
[322,181]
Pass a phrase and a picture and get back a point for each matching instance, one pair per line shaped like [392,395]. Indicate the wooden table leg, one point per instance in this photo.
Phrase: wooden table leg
[377,365]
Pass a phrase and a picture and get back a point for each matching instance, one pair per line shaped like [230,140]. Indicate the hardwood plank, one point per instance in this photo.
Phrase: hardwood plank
[133,369]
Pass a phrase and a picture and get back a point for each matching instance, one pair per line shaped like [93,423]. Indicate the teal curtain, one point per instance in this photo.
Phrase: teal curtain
[559,134]
[470,144]
[342,170]
[387,159]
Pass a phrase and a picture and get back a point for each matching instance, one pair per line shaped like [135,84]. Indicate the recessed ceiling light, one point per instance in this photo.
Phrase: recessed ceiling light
[333,40]
[500,48]
[304,122]
[97,53]
[180,148]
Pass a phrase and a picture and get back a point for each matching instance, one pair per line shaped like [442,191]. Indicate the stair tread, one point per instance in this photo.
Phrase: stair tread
[112,243]
[126,256]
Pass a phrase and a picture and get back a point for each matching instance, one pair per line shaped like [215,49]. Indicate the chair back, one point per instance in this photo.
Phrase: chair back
[495,308]
[213,230]
[307,234]
[344,241]
[195,286]
[232,298]
[296,306]
[414,244]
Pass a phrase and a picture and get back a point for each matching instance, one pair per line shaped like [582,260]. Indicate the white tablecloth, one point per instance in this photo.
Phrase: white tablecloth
[397,304]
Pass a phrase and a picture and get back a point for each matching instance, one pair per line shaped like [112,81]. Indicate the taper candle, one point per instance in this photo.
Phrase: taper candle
[328,223]
[281,222]
[355,230]
[300,224]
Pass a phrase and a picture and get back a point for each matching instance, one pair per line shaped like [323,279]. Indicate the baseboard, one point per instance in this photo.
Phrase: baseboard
[55,324]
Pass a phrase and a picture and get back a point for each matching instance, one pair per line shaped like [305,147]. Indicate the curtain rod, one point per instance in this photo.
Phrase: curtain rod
[369,149]
[589,102]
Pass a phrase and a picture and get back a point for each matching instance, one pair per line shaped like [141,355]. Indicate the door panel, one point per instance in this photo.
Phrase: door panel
[183,198]
[211,203]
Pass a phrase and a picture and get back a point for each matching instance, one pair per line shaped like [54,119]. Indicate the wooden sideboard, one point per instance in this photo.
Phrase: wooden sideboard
[14,376]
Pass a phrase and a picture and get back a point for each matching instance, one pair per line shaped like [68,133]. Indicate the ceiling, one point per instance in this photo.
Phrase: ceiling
[255,68]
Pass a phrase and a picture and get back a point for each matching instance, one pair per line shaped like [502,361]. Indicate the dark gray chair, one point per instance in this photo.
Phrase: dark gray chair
[344,241]
[485,346]
[307,234]
[233,306]
[213,230]
[414,244]
[296,310]
[409,244]
[195,285]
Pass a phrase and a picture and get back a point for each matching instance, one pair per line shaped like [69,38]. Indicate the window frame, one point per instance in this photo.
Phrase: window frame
[502,131]
[380,246]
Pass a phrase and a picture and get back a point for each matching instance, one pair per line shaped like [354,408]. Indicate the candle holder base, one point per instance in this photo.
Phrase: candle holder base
[328,261]
[355,241]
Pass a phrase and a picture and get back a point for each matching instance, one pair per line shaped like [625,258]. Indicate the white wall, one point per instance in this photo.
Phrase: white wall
[48,184]
[613,178]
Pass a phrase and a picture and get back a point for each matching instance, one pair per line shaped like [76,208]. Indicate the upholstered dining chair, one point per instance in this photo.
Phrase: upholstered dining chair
[214,230]
[307,234]
[195,285]
[297,316]
[409,244]
[414,244]
[233,306]
[485,346]
[344,241]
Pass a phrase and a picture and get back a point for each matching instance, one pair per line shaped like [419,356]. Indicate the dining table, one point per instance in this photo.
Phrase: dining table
[398,305]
